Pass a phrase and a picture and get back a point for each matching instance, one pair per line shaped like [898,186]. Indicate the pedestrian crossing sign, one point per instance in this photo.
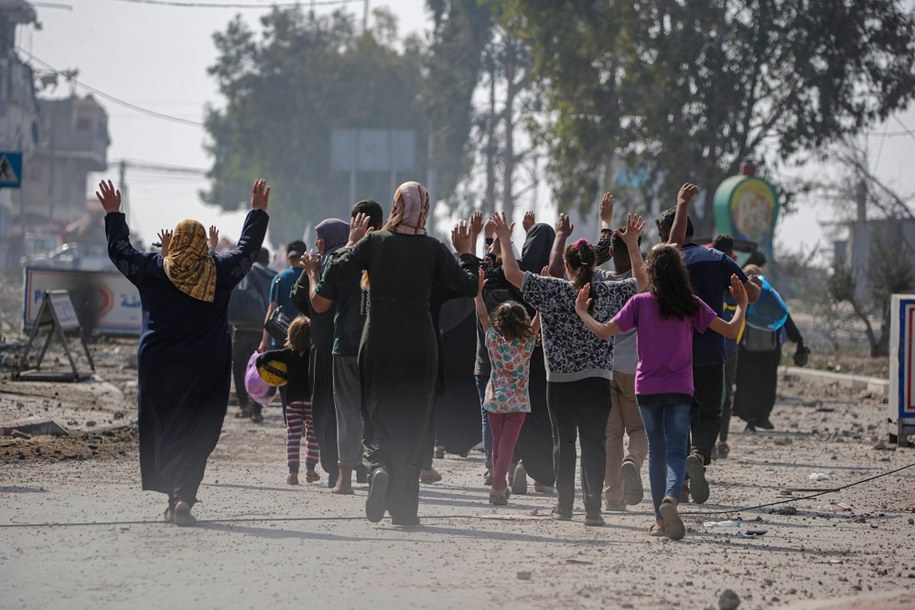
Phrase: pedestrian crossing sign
[10,169]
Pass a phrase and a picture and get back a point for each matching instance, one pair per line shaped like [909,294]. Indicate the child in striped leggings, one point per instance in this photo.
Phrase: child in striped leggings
[298,415]
[294,356]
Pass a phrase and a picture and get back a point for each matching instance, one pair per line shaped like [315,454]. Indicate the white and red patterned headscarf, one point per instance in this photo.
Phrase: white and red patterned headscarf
[409,210]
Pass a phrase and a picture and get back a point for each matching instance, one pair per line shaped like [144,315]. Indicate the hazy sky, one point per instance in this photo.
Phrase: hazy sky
[156,57]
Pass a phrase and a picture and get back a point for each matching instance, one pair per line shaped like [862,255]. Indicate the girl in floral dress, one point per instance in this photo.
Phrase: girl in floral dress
[510,339]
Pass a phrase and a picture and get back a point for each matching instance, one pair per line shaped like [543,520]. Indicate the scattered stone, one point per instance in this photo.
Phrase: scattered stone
[728,600]
[118,415]
[911,521]
[524,575]
[782,441]
[91,423]
[787,510]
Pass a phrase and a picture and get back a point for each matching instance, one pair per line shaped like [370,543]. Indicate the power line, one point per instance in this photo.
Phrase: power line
[175,4]
[907,130]
[110,97]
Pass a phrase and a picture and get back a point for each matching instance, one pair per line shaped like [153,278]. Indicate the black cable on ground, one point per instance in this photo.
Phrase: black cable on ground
[799,498]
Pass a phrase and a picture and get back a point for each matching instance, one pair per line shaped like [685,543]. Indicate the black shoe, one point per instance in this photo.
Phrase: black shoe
[765,424]
[405,521]
[698,485]
[487,478]
[376,503]
[751,426]
[361,476]
[723,450]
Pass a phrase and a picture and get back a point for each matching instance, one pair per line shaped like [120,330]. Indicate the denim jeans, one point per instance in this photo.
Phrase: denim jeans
[482,380]
[666,418]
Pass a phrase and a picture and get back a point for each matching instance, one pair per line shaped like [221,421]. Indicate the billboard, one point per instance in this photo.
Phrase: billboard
[104,301]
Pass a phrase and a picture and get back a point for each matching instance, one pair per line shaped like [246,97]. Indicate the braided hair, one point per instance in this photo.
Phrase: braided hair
[669,282]
[581,257]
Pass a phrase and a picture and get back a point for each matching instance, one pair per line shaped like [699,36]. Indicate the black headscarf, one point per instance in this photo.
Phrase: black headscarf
[535,254]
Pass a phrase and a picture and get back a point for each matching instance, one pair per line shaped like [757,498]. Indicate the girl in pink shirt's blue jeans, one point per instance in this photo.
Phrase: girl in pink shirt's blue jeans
[664,319]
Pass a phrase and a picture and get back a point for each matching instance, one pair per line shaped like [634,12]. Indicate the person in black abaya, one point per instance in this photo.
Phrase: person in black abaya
[398,360]
[184,358]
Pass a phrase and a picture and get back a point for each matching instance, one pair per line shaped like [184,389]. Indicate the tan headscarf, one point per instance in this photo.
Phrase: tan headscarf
[410,209]
[189,265]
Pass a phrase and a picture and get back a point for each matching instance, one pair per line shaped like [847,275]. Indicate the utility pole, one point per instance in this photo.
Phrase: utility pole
[122,183]
[365,17]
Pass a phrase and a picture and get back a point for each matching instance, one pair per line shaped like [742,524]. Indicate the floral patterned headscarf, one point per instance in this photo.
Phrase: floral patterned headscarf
[188,264]
[410,209]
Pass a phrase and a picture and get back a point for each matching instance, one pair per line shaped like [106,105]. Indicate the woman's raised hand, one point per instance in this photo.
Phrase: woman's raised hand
[213,238]
[165,238]
[109,196]
[461,238]
[503,229]
[582,301]
[260,195]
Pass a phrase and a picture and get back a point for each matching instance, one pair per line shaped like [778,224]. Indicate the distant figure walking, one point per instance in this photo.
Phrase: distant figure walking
[184,359]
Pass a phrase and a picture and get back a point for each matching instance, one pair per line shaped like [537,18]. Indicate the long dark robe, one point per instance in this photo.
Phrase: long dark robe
[757,377]
[398,358]
[184,359]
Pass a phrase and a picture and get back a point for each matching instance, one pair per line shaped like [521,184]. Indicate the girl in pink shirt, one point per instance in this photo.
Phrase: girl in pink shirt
[664,319]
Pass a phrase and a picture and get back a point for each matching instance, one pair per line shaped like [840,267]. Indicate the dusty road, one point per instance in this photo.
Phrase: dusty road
[76,531]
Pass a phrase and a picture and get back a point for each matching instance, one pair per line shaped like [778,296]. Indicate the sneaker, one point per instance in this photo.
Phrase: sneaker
[633,492]
[519,481]
[698,485]
[376,503]
[723,450]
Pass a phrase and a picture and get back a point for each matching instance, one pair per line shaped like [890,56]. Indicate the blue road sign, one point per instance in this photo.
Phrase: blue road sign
[10,169]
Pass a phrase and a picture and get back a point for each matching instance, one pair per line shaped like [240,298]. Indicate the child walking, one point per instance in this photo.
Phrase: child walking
[510,339]
[664,319]
[298,399]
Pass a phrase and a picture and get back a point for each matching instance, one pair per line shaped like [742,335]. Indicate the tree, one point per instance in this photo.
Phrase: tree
[287,91]
[453,65]
[689,89]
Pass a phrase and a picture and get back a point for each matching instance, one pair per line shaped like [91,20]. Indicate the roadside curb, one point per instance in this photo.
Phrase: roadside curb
[880,387]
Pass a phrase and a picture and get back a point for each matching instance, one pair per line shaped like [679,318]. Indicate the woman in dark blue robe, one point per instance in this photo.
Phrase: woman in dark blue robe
[184,359]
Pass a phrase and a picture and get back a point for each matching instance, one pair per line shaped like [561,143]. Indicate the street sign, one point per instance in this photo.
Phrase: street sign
[10,169]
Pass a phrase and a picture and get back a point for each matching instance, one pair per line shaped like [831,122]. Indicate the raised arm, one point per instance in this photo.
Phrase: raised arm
[564,228]
[681,214]
[125,257]
[731,328]
[476,227]
[308,284]
[510,267]
[634,226]
[235,264]
[459,275]
[482,312]
[604,243]
[582,303]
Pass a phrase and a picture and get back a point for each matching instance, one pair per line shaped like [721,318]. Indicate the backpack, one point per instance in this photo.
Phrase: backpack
[250,298]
